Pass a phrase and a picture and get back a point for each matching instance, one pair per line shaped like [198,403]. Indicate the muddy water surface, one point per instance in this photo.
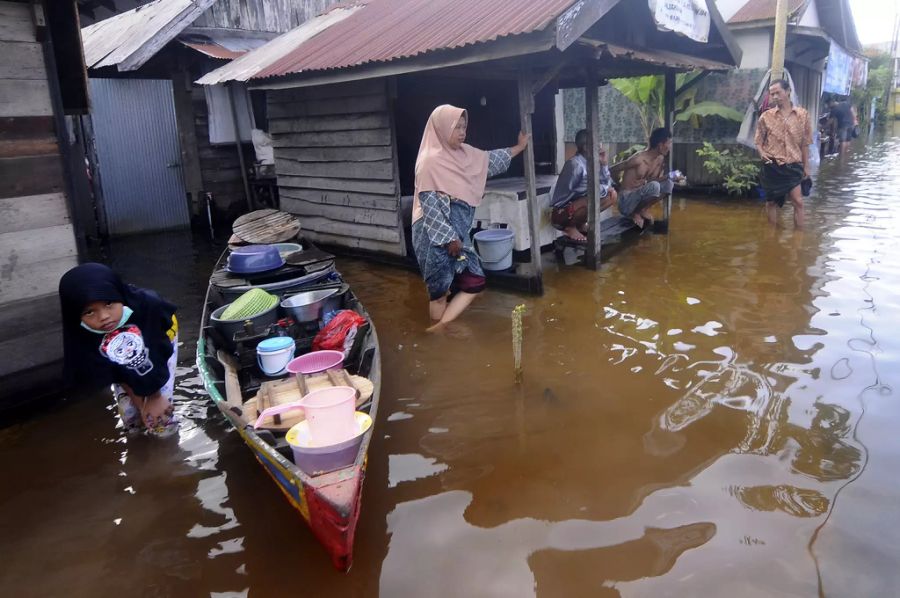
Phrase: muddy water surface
[715,412]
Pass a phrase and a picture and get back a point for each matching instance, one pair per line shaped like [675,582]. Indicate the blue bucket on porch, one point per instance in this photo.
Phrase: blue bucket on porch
[495,246]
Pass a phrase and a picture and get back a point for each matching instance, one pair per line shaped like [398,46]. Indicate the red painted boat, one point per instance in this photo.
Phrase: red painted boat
[329,502]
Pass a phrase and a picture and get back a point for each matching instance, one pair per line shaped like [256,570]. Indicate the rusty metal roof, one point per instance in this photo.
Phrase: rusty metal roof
[214,50]
[246,67]
[664,58]
[385,30]
[224,46]
[764,10]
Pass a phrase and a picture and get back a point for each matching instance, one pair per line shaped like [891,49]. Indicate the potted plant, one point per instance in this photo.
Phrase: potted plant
[739,168]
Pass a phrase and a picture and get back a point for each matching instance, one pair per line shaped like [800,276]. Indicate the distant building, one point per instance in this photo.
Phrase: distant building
[142,58]
[823,54]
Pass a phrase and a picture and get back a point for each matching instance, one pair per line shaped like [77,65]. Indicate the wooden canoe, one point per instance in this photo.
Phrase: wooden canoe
[329,502]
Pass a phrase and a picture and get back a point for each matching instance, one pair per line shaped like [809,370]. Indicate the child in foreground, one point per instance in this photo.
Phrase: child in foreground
[118,334]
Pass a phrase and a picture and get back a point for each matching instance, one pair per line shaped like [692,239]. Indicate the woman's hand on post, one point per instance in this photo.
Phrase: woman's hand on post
[519,147]
[523,141]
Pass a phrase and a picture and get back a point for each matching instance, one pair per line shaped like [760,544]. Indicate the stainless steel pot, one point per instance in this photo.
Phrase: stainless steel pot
[228,328]
[307,307]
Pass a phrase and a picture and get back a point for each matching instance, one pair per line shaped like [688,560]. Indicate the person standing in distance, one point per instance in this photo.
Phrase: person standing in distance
[782,139]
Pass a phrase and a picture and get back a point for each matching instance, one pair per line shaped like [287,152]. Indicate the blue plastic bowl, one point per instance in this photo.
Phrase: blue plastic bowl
[254,258]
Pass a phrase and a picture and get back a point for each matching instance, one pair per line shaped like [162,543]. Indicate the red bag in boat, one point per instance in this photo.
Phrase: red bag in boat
[338,334]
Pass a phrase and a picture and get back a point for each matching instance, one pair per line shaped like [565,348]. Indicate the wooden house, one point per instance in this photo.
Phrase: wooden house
[348,94]
[142,63]
[41,80]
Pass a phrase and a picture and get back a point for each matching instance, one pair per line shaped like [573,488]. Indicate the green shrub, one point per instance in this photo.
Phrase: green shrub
[738,168]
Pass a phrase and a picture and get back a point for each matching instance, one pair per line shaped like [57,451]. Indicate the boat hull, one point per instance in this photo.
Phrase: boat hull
[329,503]
[331,510]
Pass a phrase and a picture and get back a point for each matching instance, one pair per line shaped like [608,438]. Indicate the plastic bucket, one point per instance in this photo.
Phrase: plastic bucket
[274,354]
[495,246]
[329,412]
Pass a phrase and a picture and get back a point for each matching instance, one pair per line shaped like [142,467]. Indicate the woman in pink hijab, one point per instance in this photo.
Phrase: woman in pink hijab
[450,179]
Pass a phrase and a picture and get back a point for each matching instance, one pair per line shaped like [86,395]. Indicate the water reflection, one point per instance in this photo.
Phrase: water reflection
[514,557]
[711,413]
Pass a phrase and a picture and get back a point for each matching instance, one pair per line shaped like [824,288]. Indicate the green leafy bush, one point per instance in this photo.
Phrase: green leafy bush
[738,168]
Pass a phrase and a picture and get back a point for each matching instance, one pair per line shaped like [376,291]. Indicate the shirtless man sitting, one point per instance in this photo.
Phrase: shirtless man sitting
[644,179]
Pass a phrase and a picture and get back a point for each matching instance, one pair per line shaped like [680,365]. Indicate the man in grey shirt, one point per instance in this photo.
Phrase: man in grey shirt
[569,204]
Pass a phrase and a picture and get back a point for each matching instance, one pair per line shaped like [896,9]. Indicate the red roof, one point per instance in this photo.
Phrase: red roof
[214,50]
[762,10]
[385,30]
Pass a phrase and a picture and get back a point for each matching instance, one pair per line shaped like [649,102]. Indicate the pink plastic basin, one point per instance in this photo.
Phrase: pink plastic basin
[316,361]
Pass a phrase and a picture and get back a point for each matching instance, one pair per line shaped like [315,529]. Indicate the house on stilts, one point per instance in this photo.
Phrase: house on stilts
[349,92]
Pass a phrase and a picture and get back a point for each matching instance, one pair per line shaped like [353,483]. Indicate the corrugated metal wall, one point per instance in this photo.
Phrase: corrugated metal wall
[139,155]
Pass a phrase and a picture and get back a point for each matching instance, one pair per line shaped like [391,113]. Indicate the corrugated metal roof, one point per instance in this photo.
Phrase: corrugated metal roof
[223,46]
[130,39]
[247,66]
[376,34]
[369,31]
[665,58]
[385,30]
[763,10]
[214,50]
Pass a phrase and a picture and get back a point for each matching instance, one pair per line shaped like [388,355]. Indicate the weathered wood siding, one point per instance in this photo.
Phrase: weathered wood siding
[220,168]
[37,242]
[335,158]
[277,16]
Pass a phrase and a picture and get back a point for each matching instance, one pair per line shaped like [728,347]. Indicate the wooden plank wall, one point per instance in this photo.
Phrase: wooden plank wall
[335,158]
[276,16]
[220,168]
[37,242]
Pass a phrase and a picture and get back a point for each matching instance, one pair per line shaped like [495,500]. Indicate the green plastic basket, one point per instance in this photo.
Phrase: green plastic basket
[251,303]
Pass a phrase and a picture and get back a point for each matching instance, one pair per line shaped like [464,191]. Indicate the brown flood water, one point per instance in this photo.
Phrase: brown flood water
[715,412]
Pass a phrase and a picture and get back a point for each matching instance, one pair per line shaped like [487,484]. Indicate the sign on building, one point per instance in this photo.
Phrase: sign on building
[687,17]
[838,72]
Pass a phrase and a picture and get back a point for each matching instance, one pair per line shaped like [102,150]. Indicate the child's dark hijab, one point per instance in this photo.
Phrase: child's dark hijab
[96,282]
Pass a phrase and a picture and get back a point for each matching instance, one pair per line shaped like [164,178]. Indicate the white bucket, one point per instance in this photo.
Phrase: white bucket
[495,246]
[273,355]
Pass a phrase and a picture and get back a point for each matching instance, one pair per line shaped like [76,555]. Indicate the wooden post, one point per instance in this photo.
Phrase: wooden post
[780,39]
[187,135]
[239,146]
[526,109]
[592,120]
[669,108]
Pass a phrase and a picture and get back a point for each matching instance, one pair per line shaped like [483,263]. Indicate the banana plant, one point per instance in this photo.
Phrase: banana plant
[648,93]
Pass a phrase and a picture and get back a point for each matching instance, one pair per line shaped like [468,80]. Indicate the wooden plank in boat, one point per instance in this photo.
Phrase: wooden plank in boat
[287,390]
[232,385]
[266,226]
[308,256]
[224,279]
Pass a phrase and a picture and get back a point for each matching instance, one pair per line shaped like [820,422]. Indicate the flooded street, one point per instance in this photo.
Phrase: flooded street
[714,412]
